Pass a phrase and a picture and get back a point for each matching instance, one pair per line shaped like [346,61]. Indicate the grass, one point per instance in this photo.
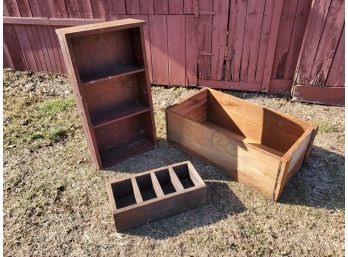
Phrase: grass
[55,203]
[54,106]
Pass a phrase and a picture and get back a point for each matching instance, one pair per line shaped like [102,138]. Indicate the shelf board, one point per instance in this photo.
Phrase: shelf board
[117,114]
[126,71]
[119,154]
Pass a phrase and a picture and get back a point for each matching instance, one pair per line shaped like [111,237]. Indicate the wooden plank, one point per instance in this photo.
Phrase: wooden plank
[11,8]
[328,43]
[146,7]
[160,6]
[283,41]
[156,185]
[79,9]
[191,53]
[176,7]
[136,190]
[243,86]
[44,47]
[98,8]
[118,7]
[280,86]
[25,20]
[263,45]
[175,180]
[204,38]
[85,6]
[36,8]
[7,57]
[314,28]
[57,9]
[159,49]
[176,49]
[73,22]
[298,31]
[319,95]
[49,49]
[219,38]
[5,10]
[39,47]
[34,48]
[55,49]
[14,48]
[235,43]
[26,48]
[24,8]
[336,74]
[271,44]
[191,7]
[132,6]
[252,35]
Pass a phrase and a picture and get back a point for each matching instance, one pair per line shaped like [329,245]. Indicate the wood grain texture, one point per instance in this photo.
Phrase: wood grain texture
[176,7]
[14,49]
[146,7]
[237,22]
[283,41]
[161,6]
[319,95]
[176,49]
[132,6]
[205,23]
[298,31]
[26,48]
[252,36]
[144,197]
[231,134]
[328,43]
[314,29]
[219,38]
[191,7]
[191,54]
[336,74]
[159,49]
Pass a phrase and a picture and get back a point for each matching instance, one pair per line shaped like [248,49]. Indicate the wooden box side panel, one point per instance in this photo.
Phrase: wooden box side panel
[159,209]
[79,98]
[246,164]
[299,155]
[262,125]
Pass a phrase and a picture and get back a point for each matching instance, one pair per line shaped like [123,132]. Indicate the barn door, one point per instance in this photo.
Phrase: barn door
[320,70]
[237,41]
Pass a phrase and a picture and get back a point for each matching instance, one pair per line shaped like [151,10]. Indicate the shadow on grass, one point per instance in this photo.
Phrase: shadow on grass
[320,182]
[221,202]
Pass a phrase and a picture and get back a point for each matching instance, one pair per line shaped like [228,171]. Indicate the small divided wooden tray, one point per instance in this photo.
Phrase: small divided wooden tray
[155,194]
[254,145]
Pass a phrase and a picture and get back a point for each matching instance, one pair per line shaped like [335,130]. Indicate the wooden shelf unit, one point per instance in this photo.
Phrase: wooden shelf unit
[108,71]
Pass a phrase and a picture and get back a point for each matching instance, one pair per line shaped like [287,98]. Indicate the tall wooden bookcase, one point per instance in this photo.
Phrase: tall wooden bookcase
[108,71]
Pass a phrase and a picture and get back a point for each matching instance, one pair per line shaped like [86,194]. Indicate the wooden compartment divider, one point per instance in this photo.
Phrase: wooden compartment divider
[254,145]
[107,67]
[155,194]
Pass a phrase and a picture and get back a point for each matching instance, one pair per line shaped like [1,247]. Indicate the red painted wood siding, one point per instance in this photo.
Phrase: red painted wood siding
[238,44]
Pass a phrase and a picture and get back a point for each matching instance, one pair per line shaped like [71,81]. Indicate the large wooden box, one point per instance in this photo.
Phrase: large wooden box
[108,71]
[155,194]
[255,146]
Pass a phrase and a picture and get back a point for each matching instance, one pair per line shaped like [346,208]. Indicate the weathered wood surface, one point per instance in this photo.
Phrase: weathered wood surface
[255,146]
[256,48]
[155,194]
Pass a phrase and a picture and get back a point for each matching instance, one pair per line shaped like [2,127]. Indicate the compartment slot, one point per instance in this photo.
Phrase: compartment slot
[123,193]
[183,174]
[146,187]
[165,181]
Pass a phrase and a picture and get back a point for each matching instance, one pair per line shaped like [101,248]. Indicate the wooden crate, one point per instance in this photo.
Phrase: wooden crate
[255,146]
[155,194]
[108,70]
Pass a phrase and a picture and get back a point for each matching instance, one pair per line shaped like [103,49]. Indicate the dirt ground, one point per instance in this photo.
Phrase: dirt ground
[55,202]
